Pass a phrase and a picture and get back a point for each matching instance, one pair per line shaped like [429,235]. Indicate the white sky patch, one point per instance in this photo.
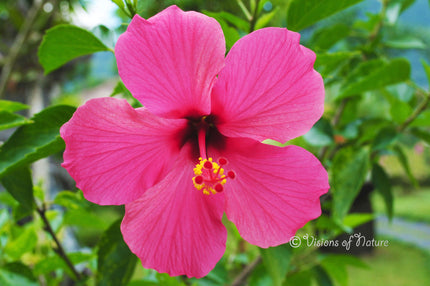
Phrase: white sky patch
[99,12]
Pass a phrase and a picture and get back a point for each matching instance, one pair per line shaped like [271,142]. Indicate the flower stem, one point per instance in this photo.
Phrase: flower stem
[60,250]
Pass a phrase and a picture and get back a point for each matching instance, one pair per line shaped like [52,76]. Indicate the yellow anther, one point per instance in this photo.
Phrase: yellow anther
[209,178]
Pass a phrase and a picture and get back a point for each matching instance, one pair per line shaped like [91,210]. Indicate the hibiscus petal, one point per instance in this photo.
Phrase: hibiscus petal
[115,152]
[174,228]
[275,192]
[268,88]
[170,61]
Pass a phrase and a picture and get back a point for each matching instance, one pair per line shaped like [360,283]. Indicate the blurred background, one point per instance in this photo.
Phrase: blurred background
[373,138]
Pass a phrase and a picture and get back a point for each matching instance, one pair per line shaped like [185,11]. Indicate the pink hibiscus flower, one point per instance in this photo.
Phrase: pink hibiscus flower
[194,151]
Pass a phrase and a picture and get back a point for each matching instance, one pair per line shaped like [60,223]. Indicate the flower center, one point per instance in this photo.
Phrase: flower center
[209,176]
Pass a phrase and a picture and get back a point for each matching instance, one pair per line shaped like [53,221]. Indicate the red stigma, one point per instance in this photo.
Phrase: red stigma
[219,188]
[207,165]
[231,174]
[198,180]
[210,177]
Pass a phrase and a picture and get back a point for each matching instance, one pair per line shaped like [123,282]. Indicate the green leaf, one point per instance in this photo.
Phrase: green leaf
[370,128]
[165,279]
[302,14]
[83,218]
[83,4]
[325,222]
[10,120]
[382,183]
[363,69]
[326,37]
[8,278]
[217,276]
[423,135]
[406,4]
[405,42]
[4,213]
[384,138]
[302,278]
[64,43]
[25,242]
[353,220]
[230,18]
[19,184]
[20,269]
[115,264]
[351,130]
[120,89]
[395,71]
[259,277]
[403,159]
[334,58]
[144,283]
[423,120]
[264,20]
[335,265]
[402,92]
[322,277]
[321,134]
[34,141]
[6,199]
[231,34]
[395,8]
[399,110]
[54,262]
[119,3]
[370,24]
[392,12]
[328,62]
[277,261]
[21,212]
[349,170]
[426,69]
[71,200]
[12,106]
[39,193]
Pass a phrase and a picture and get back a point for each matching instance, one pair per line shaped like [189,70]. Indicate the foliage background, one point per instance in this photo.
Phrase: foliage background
[373,139]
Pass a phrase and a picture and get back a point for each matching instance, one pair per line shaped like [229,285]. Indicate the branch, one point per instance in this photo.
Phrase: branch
[421,107]
[17,44]
[379,25]
[241,278]
[60,250]
[335,122]
[254,17]
[342,106]
[244,10]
